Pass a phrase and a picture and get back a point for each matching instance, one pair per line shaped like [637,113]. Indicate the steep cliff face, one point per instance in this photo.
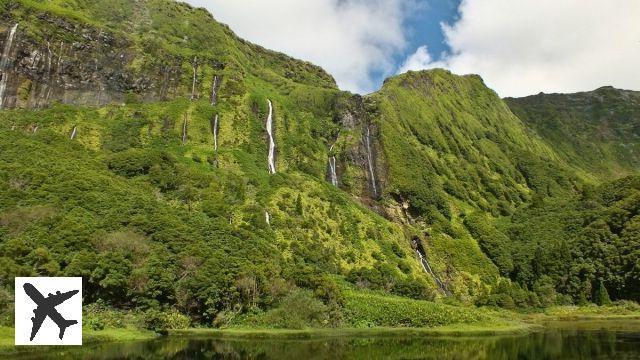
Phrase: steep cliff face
[90,68]
[56,55]
[441,137]
[360,167]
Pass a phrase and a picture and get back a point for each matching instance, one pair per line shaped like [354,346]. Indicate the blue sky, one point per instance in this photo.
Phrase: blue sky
[518,47]
[422,27]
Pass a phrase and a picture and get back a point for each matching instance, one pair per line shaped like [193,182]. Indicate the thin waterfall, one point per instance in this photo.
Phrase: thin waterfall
[214,90]
[332,171]
[184,130]
[272,143]
[194,65]
[422,262]
[372,176]
[215,134]
[267,218]
[35,129]
[333,175]
[73,133]
[4,63]
[427,268]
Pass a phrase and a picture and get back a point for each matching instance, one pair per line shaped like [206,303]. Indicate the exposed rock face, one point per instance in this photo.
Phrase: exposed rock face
[364,150]
[94,69]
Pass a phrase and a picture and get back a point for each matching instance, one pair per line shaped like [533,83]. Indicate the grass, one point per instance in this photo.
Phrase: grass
[483,329]
[6,337]
[579,313]
[88,337]
[368,309]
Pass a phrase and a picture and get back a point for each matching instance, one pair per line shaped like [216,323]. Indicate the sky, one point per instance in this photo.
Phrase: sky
[519,47]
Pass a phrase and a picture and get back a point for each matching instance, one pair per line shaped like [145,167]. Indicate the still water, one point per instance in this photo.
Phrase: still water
[558,343]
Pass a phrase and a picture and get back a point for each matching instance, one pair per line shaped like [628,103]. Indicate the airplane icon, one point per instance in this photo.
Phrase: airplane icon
[47,307]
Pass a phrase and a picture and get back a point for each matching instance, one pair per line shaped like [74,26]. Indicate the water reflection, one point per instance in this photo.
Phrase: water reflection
[551,344]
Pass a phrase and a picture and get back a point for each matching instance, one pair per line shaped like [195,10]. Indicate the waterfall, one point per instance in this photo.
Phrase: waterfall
[372,176]
[73,133]
[35,129]
[214,90]
[267,218]
[4,63]
[423,262]
[184,130]
[427,268]
[194,65]
[215,134]
[332,171]
[272,144]
[49,85]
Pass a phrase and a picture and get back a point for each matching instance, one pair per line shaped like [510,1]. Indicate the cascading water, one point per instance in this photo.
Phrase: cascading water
[194,65]
[267,218]
[73,133]
[332,171]
[427,268]
[214,90]
[184,131]
[372,176]
[423,262]
[333,176]
[272,143]
[215,134]
[4,63]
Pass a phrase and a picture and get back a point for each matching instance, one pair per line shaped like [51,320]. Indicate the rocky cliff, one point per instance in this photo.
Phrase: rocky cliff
[53,56]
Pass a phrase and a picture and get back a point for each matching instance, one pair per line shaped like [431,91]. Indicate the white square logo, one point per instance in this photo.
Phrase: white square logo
[48,311]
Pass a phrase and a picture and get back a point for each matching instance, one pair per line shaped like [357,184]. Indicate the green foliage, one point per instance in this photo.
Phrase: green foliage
[449,136]
[6,308]
[494,243]
[161,321]
[176,232]
[584,245]
[601,296]
[594,131]
[298,310]
[371,309]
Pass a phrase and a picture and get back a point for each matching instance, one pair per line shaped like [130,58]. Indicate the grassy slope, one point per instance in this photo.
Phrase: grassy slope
[126,195]
[596,131]
[451,147]
[458,137]
[184,232]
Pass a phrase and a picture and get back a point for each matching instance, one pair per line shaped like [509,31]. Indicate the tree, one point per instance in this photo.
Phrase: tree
[299,208]
[601,296]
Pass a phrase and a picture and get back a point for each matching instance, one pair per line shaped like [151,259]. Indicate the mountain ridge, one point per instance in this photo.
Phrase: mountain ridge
[147,172]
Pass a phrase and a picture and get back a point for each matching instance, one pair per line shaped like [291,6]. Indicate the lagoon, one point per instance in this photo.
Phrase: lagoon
[561,340]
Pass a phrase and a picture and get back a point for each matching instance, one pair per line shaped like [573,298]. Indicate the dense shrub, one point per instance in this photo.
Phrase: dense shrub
[369,309]
[298,310]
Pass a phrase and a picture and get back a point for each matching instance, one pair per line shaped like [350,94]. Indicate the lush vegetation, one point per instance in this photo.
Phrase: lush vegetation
[168,232]
[586,247]
[595,131]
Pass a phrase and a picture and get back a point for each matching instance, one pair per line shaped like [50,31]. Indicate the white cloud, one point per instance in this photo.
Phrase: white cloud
[351,39]
[526,46]
[420,60]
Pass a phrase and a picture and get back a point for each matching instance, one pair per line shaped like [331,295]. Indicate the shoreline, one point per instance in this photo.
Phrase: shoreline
[528,324]
[459,330]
